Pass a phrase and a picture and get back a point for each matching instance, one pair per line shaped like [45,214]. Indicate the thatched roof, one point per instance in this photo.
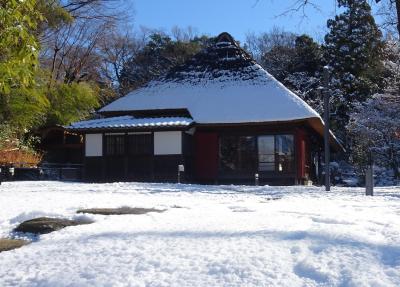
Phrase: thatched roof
[222,59]
[221,84]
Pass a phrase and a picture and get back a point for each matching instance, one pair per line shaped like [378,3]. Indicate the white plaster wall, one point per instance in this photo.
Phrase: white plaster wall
[167,143]
[93,145]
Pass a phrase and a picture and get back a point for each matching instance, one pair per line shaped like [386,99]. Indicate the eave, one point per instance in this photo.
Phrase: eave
[131,129]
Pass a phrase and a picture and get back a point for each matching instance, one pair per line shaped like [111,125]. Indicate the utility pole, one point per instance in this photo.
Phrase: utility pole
[326,129]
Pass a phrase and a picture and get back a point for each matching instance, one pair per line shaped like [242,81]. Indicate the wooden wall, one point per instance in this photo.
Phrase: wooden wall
[200,156]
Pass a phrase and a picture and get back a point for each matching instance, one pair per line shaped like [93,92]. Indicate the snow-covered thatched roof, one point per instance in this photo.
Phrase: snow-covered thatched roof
[221,84]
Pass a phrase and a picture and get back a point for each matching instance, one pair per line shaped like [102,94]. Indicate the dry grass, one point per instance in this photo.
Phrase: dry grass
[19,158]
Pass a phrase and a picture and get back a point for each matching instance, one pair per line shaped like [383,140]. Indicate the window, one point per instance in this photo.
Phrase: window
[114,144]
[238,153]
[266,153]
[275,153]
[284,148]
[93,145]
[167,142]
[140,144]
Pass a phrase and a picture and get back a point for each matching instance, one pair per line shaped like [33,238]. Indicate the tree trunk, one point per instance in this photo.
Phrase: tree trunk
[398,15]
[394,163]
[395,167]
[53,65]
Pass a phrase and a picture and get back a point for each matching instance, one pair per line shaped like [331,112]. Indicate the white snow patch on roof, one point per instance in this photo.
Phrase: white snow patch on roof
[131,122]
[253,96]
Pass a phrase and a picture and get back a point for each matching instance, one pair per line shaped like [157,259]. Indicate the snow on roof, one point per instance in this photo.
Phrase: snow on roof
[221,84]
[131,122]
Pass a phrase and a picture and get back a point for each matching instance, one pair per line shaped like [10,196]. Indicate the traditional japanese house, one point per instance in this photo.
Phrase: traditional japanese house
[220,115]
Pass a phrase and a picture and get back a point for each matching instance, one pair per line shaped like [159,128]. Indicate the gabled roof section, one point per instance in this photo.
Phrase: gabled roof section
[221,84]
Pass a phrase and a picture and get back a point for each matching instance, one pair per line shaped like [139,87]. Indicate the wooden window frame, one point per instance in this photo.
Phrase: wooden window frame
[111,145]
[140,144]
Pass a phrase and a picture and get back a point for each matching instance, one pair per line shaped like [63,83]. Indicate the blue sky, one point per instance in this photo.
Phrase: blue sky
[237,17]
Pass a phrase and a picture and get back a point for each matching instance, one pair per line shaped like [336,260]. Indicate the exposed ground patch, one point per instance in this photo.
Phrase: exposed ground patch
[44,225]
[10,244]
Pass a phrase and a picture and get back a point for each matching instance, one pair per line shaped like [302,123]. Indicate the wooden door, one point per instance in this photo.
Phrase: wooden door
[206,156]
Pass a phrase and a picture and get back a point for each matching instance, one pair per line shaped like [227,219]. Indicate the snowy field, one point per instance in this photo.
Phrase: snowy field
[208,236]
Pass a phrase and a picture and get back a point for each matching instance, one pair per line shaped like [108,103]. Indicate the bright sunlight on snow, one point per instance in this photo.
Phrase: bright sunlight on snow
[208,236]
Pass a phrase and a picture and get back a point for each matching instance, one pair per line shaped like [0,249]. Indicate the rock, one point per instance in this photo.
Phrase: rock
[44,225]
[119,211]
[10,244]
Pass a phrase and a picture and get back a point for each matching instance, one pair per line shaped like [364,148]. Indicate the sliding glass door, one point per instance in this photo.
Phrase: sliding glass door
[284,150]
[266,153]
[238,153]
[263,153]
[276,153]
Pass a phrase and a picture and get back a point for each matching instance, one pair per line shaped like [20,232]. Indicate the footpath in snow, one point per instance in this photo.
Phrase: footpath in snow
[208,236]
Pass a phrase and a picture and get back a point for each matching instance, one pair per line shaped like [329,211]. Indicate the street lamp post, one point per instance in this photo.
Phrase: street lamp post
[181,169]
[369,176]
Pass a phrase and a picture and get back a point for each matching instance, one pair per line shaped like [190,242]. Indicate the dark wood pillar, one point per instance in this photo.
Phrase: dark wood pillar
[300,156]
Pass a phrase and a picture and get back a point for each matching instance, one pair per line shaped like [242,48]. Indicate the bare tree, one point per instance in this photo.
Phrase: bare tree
[116,49]
[94,9]
[71,54]
[390,10]
[183,34]
[259,45]
[72,51]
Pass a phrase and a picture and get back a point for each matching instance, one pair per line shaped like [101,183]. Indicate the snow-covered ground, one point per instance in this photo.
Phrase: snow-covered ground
[208,236]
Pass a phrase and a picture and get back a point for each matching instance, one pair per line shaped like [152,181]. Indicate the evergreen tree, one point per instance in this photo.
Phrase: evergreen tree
[304,74]
[18,45]
[375,127]
[278,61]
[70,102]
[392,65]
[159,55]
[353,50]
[278,52]
[296,61]
[18,50]
[308,55]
